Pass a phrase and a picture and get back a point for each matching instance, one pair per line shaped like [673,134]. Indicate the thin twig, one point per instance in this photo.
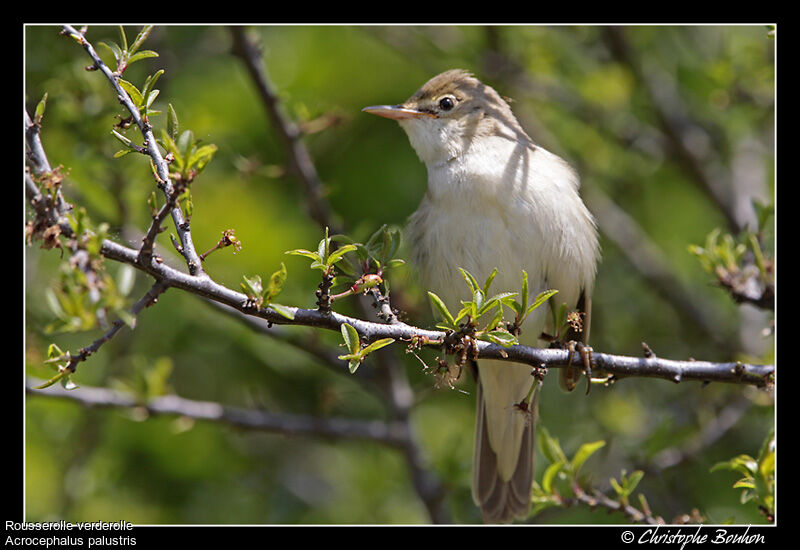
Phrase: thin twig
[598,499]
[162,168]
[150,297]
[288,131]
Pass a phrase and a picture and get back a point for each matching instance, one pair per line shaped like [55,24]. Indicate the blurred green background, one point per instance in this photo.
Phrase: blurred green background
[574,93]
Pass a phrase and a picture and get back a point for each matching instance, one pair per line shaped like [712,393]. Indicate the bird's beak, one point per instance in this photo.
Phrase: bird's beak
[396,112]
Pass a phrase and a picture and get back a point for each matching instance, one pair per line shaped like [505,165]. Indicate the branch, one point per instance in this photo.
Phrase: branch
[288,132]
[598,499]
[675,129]
[181,225]
[150,297]
[392,434]
[620,366]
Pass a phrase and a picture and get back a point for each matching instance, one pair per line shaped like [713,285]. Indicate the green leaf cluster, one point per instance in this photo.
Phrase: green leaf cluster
[376,255]
[55,356]
[83,296]
[357,354]
[484,305]
[546,494]
[626,485]
[259,296]
[143,99]
[125,55]
[325,257]
[758,475]
[726,255]
[189,157]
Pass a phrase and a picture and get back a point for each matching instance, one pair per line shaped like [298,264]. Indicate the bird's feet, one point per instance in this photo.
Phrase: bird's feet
[571,374]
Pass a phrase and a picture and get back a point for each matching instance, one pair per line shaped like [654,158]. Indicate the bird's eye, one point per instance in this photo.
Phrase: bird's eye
[446,103]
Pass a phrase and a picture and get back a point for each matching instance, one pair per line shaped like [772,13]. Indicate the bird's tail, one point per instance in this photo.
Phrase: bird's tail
[504,446]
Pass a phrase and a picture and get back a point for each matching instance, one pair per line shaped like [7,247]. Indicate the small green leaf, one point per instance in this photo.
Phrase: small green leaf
[541,298]
[524,304]
[128,143]
[633,480]
[303,252]
[550,446]
[144,54]
[151,97]
[470,279]
[337,255]
[549,476]
[503,338]
[115,50]
[489,280]
[201,156]
[584,452]
[252,286]
[745,483]
[185,143]
[133,92]
[376,345]
[61,374]
[282,310]
[53,351]
[276,282]
[502,297]
[170,145]
[744,464]
[350,335]
[122,38]
[140,38]
[40,108]
[447,317]
[172,122]
[150,83]
[353,365]
[496,319]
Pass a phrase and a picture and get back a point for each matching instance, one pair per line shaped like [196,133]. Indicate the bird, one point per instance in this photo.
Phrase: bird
[496,200]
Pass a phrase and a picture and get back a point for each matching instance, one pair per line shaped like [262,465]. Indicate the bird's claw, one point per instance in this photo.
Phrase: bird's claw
[587,357]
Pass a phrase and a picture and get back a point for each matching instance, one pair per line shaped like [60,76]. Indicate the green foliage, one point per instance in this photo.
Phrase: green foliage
[488,307]
[758,481]
[189,156]
[561,472]
[124,56]
[259,296]
[324,258]
[357,354]
[741,263]
[85,293]
[145,98]
[626,485]
[522,310]
[55,356]
[377,255]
